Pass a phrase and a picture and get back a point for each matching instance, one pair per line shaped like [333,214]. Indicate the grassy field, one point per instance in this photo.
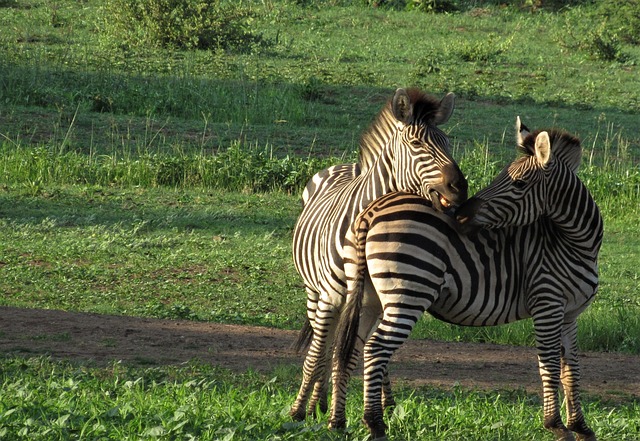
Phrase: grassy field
[165,182]
[59,401]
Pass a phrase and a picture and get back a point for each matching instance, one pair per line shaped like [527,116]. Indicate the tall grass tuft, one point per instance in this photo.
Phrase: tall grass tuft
[240,167]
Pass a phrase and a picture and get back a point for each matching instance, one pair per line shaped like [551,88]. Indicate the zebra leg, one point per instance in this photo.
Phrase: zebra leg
[548,316]
[314,369]
[393,330]
[570,382]
[341,377]
[388,402]
[299,409]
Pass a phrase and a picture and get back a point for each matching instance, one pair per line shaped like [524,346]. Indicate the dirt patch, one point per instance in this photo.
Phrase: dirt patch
[101,339]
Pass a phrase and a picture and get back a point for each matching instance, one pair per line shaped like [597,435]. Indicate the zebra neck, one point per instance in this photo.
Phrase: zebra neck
[377,181]
[577,221]
[376,139]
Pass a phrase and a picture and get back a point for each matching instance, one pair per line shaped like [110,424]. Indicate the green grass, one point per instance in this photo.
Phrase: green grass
[319,84]
[163,253]
[131,240]
[165,183]
[133,161]
[49,400]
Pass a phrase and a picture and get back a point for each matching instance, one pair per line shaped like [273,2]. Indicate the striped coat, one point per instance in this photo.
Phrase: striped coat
[535,256]
[403,150]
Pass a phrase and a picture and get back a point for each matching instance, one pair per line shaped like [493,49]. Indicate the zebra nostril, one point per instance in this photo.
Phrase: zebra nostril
[459,188]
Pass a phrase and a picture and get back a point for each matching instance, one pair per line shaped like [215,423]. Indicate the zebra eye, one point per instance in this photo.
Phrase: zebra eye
[519,184]
[416,142]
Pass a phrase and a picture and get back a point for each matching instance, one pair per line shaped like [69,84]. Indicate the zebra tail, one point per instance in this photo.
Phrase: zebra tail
[304,337]
[349,322]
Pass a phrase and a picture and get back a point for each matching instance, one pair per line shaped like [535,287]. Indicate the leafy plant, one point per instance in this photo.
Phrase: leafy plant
[488,50]
[622,18]
[48,399]
[605,46]
[431,6]
[604,40]
[184,24]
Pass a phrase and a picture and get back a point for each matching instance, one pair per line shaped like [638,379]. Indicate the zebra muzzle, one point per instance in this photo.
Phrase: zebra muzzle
[439,202]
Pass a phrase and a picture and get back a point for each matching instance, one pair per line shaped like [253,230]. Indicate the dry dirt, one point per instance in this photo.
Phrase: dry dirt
[101,339]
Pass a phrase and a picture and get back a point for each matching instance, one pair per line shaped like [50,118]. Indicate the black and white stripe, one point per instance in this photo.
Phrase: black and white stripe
[403,150]
[534,256]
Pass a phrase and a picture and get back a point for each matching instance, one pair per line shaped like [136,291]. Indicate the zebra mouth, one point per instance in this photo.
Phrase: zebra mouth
[439,202]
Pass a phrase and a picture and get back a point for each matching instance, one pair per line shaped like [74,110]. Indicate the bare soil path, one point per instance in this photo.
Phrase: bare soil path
[101,339]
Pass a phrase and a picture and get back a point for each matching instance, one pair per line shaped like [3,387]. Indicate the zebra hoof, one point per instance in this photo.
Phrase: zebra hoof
[582,432]
[297,414]
[337,424]
[564,435]
[378,433]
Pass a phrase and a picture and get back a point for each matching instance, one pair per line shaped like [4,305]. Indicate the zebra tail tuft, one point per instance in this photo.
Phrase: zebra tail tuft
[304,337]
[347,330]
[349,322]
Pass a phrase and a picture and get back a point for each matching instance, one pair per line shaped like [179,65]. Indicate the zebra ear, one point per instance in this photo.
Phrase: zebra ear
[401,106]
[445,110]
[543,148]
[521,132]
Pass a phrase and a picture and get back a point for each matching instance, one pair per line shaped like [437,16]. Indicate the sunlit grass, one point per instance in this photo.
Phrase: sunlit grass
[48,400]
[156,235]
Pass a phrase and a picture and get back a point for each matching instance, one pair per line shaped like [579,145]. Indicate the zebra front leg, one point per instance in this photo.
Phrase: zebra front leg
[548,316]
[570,382]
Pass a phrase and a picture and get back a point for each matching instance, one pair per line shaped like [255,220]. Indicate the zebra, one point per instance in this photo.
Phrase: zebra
[526,246]
[402,150]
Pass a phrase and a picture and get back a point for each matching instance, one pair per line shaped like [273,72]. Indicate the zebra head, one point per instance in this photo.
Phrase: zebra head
[417,152]
[422,159]
[532,186]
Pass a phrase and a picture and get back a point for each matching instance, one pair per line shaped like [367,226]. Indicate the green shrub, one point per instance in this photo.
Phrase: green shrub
[448,6]
[431,5]
[182,24]
[622,18]
[603,42]
[488,50]
[604,45]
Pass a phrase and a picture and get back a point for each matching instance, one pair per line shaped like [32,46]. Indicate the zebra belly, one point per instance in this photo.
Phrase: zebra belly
[484,308]
[466,319]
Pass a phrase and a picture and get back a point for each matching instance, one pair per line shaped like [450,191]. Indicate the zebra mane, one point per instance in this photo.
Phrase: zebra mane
[373,140]
[564,146]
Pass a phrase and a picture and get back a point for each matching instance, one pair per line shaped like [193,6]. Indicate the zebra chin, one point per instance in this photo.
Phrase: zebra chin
[468,219]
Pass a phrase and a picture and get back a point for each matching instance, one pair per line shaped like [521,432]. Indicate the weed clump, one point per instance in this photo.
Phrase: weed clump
[180,24]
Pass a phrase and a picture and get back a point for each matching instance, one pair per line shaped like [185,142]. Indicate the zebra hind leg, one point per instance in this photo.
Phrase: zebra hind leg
[311,373]
[314,373]
[345,363]
[547,321]
[319,402]
[570,378]
[393,330]
[388,402]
